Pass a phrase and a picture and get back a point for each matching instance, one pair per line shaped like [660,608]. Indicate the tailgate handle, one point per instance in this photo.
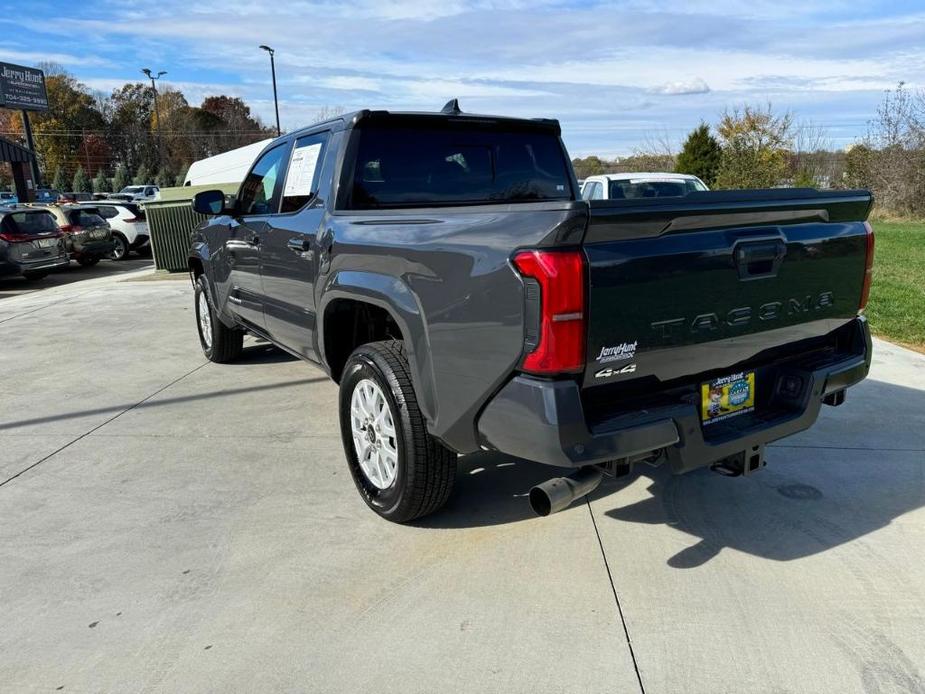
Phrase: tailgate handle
[759,259]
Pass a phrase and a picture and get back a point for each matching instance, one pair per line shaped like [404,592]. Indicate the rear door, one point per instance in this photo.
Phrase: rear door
[257,202]
[290,254]
[705,282]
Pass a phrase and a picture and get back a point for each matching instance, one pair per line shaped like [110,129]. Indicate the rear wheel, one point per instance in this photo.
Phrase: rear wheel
[120,249]
[220,343]
[34,275]
[400,470]
[88,261]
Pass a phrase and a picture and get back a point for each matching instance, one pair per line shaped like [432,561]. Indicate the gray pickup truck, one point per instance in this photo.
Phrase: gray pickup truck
[442,268]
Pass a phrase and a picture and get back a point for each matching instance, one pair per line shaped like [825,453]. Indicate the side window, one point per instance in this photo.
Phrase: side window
[593,191]
[302,177]
[259,191]
[108,212]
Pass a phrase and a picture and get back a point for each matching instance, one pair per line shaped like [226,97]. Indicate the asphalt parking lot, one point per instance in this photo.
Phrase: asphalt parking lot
[172,525]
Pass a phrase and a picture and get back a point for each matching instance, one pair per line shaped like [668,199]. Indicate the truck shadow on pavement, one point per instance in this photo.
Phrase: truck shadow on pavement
[849,477]
[819,490]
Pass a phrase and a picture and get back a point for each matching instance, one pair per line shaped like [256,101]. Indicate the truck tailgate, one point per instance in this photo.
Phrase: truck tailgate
[694,285]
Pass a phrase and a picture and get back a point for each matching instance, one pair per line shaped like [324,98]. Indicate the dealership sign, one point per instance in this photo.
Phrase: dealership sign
[22,88]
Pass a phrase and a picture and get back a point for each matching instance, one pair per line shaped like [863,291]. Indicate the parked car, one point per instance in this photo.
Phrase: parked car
[87,236]
[443,270]
[129,227]
[47,195]
[631,186]
[65,198]
[31,244]
[8,198]
[139,193]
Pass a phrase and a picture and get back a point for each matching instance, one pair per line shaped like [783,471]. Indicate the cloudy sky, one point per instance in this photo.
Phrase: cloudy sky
[616,74]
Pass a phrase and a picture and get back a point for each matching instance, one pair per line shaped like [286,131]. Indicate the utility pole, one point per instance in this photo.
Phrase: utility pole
[157,112]
[273,71]
[30,143]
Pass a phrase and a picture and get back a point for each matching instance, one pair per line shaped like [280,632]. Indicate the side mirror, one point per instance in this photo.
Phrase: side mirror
[209,202]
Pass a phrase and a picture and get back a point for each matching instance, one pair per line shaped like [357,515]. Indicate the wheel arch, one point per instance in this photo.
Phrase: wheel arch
[381,296]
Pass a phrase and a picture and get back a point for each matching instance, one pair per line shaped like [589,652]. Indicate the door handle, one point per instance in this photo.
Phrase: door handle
[299,245]
[759,259]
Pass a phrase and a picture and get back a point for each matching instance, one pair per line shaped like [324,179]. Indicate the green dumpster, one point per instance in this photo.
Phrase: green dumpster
[171,221]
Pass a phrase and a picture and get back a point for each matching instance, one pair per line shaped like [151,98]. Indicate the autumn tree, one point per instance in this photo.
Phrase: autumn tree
[756,143]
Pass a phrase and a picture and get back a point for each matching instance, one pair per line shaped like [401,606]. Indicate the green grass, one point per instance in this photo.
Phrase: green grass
[897,298]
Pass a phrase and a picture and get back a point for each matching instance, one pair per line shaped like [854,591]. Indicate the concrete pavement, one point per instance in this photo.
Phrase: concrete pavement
[172,525]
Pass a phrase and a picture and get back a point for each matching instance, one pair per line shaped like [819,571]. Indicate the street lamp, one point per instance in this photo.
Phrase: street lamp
[157,112]
[273,70]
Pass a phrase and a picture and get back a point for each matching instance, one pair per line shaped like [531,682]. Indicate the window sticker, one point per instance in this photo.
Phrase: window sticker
[301,172]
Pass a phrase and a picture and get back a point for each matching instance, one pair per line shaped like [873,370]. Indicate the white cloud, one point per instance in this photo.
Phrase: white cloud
[691,86]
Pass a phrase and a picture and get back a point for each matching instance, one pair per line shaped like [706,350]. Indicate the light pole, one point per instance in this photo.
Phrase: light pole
[273,71]
[157,112]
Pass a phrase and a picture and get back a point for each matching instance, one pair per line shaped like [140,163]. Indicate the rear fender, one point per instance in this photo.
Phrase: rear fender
[396,297]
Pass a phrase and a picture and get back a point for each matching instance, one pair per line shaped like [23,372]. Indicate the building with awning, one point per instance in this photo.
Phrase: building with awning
[20,159]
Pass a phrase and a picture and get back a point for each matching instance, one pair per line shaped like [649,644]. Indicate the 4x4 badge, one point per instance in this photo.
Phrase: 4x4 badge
[607,373]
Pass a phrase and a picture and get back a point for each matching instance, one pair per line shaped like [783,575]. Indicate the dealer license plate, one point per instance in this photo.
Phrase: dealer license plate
[727,397]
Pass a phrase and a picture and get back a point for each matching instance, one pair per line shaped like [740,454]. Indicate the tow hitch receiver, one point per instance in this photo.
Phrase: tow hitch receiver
[742,463]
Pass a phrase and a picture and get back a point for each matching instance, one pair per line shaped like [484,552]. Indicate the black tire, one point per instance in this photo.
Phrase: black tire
[223,344]
[426,470]
[34,275]
[88,261]
[120,250]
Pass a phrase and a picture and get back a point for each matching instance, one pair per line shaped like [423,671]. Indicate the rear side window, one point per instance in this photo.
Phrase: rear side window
[28,223]
[402,167]
[302,174]
[83,218]
[108,212]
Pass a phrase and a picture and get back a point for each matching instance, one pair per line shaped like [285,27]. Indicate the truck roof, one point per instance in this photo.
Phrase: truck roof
[450,111]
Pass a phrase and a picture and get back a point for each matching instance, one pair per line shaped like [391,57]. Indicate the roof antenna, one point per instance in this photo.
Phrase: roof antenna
[452,107]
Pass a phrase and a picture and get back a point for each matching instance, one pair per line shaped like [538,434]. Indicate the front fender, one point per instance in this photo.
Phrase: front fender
[396,297]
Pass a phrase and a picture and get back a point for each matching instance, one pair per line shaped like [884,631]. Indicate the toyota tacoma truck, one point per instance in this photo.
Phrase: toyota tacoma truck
[443,269]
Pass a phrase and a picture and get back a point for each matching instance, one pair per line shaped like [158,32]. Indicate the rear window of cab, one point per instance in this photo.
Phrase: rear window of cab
[438,166]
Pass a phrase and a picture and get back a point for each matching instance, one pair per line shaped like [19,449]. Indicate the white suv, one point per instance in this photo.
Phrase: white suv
[628,186]
[140,193]
[129,227]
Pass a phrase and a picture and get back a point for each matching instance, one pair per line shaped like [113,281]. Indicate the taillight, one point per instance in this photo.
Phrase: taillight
[131,220]
[868,267]
[560,343]
[13,238]
[66,228]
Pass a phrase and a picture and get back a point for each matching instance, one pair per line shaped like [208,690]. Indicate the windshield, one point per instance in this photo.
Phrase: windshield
[654,188]
[402,166]
[132,189]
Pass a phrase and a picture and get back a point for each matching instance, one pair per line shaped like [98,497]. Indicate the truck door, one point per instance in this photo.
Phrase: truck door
[292,255]
[258,200]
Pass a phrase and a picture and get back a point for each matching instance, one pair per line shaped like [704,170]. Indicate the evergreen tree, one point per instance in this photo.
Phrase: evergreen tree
[101,183]
[164,178]
[121,179]
[81,182]
[142,176]
[701,155]
[59,182]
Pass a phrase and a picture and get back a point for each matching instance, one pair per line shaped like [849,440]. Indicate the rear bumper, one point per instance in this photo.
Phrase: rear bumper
[18,267]
[544,421]
[93,249]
